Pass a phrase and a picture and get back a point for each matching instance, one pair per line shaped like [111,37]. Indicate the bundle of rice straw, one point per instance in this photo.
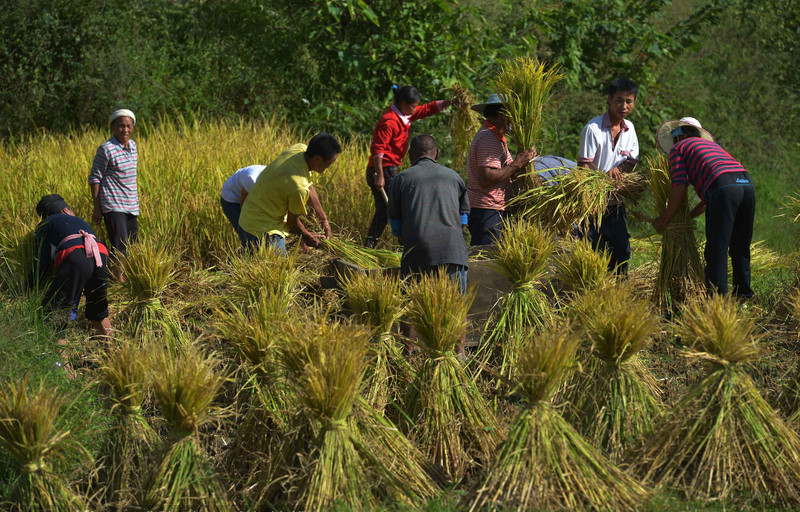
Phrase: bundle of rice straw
[446,416]
[124,371]
[377,302]
[573,198]
[579,267]
[616,400]
[521,255]
[148,268]
[328,459]
[264,273]
[17,250]
[723,440]
[32,439]
[185,386]
[464,122]
[544,464]
[680,272]
[362,256]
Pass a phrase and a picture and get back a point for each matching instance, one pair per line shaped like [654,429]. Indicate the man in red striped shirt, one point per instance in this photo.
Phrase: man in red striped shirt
[727,196]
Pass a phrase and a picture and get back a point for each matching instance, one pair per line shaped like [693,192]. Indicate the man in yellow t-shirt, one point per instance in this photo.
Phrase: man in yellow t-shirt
[279,196]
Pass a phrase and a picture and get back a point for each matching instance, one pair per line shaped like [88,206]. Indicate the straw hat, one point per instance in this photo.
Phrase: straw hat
[664,132]
[494,99]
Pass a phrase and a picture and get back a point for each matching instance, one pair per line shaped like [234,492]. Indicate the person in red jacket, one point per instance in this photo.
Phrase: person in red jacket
[389,146]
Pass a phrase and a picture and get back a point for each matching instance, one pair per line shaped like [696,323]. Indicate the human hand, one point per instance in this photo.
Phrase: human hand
[525,157]
[97,215]
[326,227]
[660,224]
[615,173]
[379,180]
[310,239]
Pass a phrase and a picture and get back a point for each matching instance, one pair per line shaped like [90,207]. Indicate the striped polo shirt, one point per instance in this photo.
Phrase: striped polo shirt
[114,169]
[699,162]
[488,149]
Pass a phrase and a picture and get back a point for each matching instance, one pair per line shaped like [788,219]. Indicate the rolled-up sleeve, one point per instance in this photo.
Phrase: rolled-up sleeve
[99,166]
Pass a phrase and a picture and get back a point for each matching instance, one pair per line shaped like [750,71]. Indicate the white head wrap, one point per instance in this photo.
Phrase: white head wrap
[121,112]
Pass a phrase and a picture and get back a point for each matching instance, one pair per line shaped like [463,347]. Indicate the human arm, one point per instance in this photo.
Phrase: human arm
[676,195]
[699,209]
[316,207]
[489,176]
[429,109]
[96,174]
[97,211]
[242,197]
[296,226]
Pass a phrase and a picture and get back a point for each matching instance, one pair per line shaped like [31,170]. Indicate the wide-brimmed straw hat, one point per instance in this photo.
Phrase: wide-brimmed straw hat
[494,99]
[664,132]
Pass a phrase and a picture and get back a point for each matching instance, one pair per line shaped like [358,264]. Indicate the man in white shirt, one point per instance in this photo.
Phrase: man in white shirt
[608,143]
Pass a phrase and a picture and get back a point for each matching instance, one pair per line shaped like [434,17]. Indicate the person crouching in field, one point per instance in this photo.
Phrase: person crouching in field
[66,245]
[234,192]
[112,183]
[727,196]
[490,169]
[389,145]
[282,193]
[428,208]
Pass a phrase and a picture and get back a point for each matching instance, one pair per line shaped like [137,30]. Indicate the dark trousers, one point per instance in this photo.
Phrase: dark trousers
[78,276]
[485,225]
[232,211]
[122,229]
[380,218]
[612,237]
[730,210]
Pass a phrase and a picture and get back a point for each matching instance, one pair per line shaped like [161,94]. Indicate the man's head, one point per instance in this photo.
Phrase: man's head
[622,94]
[422,146]
[323,150]
[673,131]
[52,204]
[122,122]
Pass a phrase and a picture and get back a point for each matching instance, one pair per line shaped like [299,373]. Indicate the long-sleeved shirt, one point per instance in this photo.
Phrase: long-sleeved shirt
[390,138]
[48,235]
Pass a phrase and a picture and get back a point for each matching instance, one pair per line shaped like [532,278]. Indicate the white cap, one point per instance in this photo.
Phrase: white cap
[121,112]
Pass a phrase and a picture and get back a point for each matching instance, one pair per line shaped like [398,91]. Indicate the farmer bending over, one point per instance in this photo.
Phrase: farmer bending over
[280,195]
[428,208]
[67,245]
[727,196]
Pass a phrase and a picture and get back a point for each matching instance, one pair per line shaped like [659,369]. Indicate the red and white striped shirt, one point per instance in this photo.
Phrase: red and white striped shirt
[488,149]
[114,169]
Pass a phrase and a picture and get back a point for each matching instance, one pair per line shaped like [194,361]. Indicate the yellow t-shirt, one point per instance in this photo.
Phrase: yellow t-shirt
[281,188]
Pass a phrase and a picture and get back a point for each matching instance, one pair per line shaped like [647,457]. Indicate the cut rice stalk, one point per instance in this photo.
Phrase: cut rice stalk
[364,257]
[579,267]
[464,122]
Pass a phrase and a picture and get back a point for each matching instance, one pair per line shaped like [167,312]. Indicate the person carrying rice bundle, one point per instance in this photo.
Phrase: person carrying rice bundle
[389,146]
[490,169]
[727,196]
[609,143]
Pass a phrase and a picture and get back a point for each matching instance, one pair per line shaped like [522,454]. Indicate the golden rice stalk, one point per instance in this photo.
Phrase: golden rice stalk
[723,440]
[123,369]
[185,385]
[377,301]
[364,257]
[579,267]
[792,206]
[265,272]
[789,399]
[29,433]
[445,414]
[464,122]
[544,464]
[17,253]
[617,399]
[680,272]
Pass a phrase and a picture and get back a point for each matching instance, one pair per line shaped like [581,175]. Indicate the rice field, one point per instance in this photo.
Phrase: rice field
[239,382]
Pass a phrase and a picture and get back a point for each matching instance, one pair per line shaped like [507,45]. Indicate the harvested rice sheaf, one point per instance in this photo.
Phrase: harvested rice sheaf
[265,272]
[544,464]
[723,441]
[364,257]
[445,414]
[578,267]
[616,399]
[464,122]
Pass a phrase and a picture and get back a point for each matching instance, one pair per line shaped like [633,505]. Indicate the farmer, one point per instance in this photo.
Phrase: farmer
[67,245]
[389,145]
[283,189]
[550,166]
[112,182]
[727,196]
[608,143]
[428,208]
[490,169]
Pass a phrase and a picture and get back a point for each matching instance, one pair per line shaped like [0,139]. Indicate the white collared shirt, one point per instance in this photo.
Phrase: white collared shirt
[597,145]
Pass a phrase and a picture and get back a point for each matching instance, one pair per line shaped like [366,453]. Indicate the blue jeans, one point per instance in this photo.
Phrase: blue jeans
[251,243]
[232,211]
[457,273]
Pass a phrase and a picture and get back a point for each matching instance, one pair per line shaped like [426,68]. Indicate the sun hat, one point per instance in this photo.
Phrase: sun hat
[664,132]
[121,112]
[494,99]
[50,204]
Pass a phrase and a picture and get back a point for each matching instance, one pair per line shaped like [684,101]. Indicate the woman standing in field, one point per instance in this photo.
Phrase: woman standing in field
[389,146]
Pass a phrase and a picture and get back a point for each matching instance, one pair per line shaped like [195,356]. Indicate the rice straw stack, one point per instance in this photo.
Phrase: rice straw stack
[364,257]
[521,254]
[616,400]
[680,272]
[377,302]
[265,272]
[723,440]
[29,433]
[464,122]
[579,268]
[185,386]
[123,369]
[789,399]
[445,414]
[544,464]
